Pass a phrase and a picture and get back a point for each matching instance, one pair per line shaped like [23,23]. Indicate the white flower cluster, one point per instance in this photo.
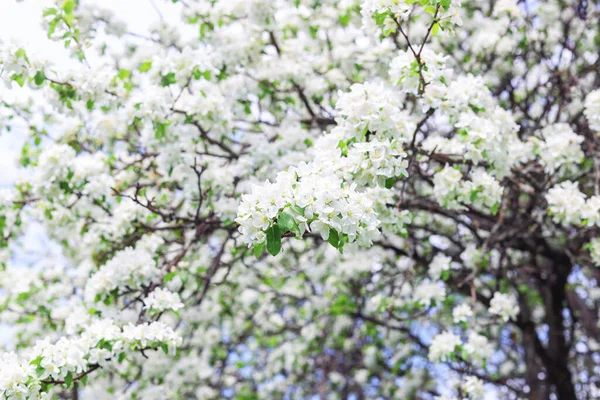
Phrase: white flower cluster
[322,202]
[504,305]
[472,257]
[594,249]
[482,191]
[385,14]
[428,292]
[406,72]
[462,313]
[332,191]
[560,146]
[375,108]
[438,264]
[17,65]
[473,387]
[163,299]
[130,267]
[54,165]
[443,345]
[100,343]
[569,206]
[145,335]
[484,130]
[14,376]
[477,347]
[592,109]
[370,9]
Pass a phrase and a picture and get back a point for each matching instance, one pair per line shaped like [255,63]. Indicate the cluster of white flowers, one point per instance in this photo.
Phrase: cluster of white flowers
[447,187]
[484,130]
[375,108]
[438,264]
[428,292]
[17,65]
[478,347]
[101,342]
[332,191]
[462,313]
[592,110]
[482,191]
[54,165]
[386,14]
[14,376]
[473,387]
[130,267]
[370,9]
[163,299]
[505,306]
[594,249]
[560,146]
[145,335]
[443,345]
[322,203]
[406,72]
[569,206]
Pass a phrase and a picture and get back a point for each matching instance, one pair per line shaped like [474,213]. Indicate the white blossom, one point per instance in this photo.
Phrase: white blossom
[504,305]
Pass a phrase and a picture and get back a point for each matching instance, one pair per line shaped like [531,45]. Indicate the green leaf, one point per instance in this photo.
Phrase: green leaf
[160,129]
[473,195]
[69,380]
[445,275]
[343,147]
[49,11]
[334,238]
[201,74]
[274,240]
[389,183]
[169,277]
[345,18]
[430,9]
[123,74]
[19,78]
[494,209]
[297,209]
[68,6]
[258,249]
[286,222]
[364,131]
[39,78]
[164,348]
[20,53]
[145,66]
[37,360]
[168,79]
[380,17]
[435,28]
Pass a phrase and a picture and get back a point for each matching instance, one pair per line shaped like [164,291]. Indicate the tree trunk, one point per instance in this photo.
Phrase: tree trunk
[557,360]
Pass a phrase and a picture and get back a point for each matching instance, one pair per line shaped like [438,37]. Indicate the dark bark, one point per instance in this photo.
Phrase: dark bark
[557,362]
